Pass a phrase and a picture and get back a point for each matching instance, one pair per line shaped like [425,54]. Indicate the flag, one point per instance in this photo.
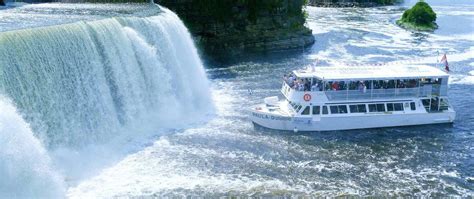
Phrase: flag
[444,60]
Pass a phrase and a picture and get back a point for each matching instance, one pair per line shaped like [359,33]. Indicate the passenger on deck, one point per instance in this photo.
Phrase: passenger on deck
[361,86]
[307,86]
[291,81]
[301,85]
[295,85]
[335,86]
[314,87]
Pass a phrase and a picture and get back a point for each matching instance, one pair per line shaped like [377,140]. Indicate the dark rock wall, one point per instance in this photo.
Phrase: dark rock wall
[229,29]
[2,3]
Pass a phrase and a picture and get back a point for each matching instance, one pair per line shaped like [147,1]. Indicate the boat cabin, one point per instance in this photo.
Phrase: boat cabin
[324,85]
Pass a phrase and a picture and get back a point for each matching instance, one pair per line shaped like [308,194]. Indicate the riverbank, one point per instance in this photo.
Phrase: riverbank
[228,30]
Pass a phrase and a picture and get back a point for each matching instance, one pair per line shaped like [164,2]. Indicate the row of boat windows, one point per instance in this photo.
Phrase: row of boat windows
[354,108]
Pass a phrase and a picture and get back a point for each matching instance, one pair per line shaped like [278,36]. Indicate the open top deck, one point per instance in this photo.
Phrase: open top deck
[370,72]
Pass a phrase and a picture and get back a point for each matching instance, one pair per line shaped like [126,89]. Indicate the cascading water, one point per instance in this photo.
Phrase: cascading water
[25,167]
[87,82]
[80,81]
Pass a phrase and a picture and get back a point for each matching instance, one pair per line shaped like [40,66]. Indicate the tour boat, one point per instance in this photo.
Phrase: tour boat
[357,97]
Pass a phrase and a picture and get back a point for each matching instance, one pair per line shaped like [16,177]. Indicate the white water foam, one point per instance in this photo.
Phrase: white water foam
[25,167]
[462,79]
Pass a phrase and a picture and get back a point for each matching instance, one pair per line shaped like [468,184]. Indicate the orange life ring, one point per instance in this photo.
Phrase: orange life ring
[307,97]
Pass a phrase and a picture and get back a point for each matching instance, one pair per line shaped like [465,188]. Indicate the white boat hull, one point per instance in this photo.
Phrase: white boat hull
[352,121]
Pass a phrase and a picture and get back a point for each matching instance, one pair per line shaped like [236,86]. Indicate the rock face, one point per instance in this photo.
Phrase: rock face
[2,3]
[229,29]
[351,3]
[420,17]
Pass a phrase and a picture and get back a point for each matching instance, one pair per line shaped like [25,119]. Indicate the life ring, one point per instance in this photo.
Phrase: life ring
[307,97]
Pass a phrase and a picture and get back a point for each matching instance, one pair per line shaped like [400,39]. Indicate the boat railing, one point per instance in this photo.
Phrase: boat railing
[372,94]
[340,95]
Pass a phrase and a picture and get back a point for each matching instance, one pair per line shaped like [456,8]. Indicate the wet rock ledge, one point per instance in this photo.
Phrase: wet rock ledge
[228,29]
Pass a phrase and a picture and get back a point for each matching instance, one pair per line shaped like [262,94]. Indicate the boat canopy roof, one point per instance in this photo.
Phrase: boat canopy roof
[371,72]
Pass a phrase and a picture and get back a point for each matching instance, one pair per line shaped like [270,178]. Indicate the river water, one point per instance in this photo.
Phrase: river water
[229,156]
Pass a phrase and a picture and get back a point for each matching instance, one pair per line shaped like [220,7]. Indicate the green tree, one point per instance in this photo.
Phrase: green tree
[420,14]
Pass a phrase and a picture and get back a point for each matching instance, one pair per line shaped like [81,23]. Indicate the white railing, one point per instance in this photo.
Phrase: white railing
[372,94]
[424,91]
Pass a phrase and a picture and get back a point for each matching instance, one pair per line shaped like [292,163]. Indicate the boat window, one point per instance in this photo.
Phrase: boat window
[372,108]
[398,106]
[359,108]
[295,106]
[305,111]
[376,107]
[412,106]
[353,108]
[316,110]
[334,110]
[390,107]
[381,107]
[325,110]
[342,108]
[444,105]
[339,109]
[298,108]
[426,102]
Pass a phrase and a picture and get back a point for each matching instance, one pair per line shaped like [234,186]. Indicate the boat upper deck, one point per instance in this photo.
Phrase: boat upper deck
[370,72]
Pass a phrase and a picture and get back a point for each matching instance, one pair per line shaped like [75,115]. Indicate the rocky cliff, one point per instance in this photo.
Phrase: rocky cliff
[2,3]
[351,3]
[229,29]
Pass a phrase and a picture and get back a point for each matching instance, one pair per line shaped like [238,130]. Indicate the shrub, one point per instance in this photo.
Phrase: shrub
[420,14]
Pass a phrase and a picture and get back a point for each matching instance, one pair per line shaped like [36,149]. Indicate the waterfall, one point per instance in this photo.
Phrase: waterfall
[25,167]
[87,82]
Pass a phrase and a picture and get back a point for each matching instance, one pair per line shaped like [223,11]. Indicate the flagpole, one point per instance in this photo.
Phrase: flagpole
[437,59]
